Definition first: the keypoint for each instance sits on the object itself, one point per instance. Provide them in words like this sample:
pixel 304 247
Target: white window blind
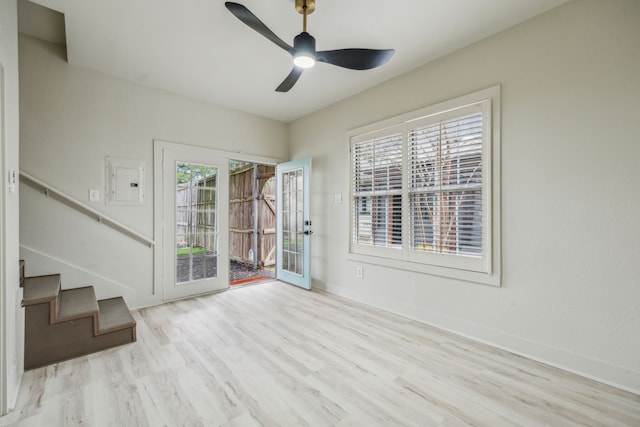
pixel 445 186
pixel 377 191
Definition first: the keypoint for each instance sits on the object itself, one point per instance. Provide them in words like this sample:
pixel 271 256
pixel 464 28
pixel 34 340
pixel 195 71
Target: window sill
pixel 492 279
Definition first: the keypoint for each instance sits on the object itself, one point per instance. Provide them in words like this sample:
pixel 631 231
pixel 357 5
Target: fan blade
pixel 291 79
pixel 355 59
pixel 245 15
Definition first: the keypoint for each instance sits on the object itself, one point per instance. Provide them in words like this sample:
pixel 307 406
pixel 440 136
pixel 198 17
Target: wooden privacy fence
pixel 196 215
pixel 252 215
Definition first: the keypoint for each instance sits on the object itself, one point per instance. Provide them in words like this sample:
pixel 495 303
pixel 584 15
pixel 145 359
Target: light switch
pixel 337 199
pixel 94 195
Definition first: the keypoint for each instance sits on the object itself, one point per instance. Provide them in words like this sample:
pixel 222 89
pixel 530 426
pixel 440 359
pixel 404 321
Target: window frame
pixel 484 269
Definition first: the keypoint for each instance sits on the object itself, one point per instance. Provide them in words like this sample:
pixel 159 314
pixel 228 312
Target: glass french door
pixel 293 223
pixel 195 218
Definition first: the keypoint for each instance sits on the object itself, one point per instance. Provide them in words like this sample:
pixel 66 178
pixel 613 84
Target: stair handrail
pixel 87 210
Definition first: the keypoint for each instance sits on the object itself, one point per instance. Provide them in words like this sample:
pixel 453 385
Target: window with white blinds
pixel 422 188
pixel 377 191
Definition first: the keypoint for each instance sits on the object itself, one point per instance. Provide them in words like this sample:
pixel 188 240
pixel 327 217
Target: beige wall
pixel 11 315
pixel 570 290
pixel 71 119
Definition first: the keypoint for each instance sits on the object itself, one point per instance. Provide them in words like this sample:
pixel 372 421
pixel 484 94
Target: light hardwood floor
pixel 273 355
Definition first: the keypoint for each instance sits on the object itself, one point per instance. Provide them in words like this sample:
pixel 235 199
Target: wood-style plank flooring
pixel 276 355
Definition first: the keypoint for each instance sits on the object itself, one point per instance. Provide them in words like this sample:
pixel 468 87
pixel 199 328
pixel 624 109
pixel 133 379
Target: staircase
pixel 63 324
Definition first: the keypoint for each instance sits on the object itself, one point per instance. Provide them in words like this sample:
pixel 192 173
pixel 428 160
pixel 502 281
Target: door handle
pixel 308 232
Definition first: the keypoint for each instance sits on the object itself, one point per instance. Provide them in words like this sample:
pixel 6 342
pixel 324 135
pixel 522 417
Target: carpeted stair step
pixel 40 289
pixel 114 315
pixel 77 303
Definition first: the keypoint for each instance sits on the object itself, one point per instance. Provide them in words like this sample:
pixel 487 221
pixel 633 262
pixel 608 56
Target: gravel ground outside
pixel 197 267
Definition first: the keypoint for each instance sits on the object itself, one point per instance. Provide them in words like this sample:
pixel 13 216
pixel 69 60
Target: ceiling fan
pixel 304 46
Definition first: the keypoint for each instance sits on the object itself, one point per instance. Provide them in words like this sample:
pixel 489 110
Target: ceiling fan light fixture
pixel 304 60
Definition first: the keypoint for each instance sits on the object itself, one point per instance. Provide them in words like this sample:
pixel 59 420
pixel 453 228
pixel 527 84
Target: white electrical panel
pixel 125 182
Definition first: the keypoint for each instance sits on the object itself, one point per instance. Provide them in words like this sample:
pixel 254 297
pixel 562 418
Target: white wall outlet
pixel 337 199
pixel 359 272
pixel 94 195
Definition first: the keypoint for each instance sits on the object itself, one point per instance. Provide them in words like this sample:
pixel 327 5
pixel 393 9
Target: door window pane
pixel 292 221
pixel 196 222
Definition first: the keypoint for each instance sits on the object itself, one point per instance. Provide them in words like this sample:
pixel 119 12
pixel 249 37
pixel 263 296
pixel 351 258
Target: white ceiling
pixel 200 50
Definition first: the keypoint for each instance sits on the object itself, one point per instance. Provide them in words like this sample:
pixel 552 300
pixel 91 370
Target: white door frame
pixel 3 288
pixel 158 147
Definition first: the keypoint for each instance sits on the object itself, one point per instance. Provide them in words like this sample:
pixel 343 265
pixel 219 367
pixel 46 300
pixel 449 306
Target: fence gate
pixel 252 214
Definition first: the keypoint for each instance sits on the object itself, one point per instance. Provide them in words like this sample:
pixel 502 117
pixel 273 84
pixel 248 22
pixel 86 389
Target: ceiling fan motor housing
pixel 304 42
